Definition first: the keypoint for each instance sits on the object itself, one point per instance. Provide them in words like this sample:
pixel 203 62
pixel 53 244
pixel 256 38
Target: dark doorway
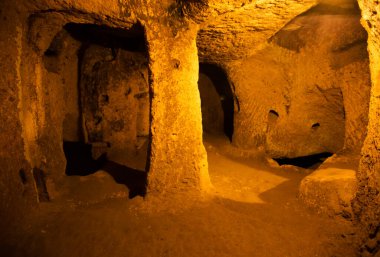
pixel 106 124
pixel 216 104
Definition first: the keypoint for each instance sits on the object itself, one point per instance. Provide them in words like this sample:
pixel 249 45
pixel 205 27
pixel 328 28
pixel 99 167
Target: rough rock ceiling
pixel 229 30
pixel 232 30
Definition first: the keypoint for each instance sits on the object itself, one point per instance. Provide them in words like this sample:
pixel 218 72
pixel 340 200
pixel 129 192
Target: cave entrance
pixel 217 101
pixel 107 107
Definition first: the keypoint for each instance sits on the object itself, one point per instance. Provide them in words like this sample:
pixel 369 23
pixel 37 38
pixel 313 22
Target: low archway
pixel 106 109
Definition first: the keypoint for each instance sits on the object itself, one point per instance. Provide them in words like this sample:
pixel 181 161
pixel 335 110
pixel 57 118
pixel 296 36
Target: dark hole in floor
pixel 306 162
pixel 80 163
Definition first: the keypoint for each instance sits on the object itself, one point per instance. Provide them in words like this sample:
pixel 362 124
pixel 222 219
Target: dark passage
pixel 220 81
pixel 79 159
pixel 306 162
pixel 80 163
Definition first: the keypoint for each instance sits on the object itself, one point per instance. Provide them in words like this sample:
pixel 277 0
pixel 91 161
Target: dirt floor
pixel 252 211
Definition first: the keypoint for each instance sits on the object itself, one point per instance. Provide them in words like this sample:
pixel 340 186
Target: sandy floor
pixel 253 211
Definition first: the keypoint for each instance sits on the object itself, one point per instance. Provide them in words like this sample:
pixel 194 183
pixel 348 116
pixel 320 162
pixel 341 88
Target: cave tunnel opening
pixel 217 100
pixel 107 101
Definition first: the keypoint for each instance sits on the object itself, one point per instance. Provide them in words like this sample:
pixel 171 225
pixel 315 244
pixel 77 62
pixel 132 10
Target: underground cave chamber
pixel 258 109
pixel 291 100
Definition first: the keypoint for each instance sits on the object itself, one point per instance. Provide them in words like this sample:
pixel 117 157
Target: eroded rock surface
pixel 367 202
pixel 307 92
pixel 299 80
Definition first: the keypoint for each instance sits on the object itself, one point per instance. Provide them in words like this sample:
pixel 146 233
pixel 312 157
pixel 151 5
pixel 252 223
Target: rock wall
pixel 15 178
pixel 307 92
pixel 367 202
pixel 115 102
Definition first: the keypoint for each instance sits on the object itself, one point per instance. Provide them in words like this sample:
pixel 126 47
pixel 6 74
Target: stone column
pixel 178 160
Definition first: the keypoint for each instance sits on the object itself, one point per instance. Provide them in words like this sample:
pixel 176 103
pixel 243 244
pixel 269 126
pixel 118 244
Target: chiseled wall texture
pixel 14 194
pixel 367 202
pixel 115 101
pixel 313 72
pixel 178 158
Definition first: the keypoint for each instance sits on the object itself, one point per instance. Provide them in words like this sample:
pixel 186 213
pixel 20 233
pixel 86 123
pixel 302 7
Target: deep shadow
pixel 135 180
pixel 80 163
pixel 132 39
pixel 220 81
pixel 40 183
pixel 307 162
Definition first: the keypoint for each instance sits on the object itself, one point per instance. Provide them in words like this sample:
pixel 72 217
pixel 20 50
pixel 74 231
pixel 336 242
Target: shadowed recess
pixel 222 86
pixel 307 162
pixel 80 163
pixel 132 39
